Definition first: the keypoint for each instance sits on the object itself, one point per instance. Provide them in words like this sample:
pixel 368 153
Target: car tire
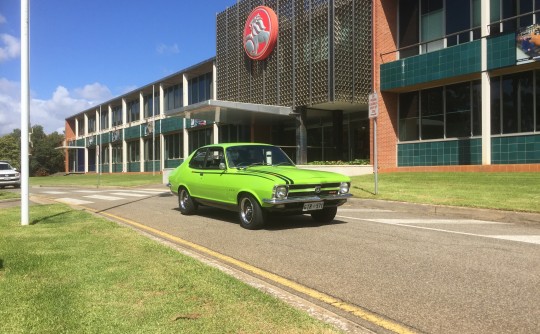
pixel 252 217
pixel 325 215
pixel 186 204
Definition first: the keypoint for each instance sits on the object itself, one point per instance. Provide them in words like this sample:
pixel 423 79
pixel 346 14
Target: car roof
pixel 226 145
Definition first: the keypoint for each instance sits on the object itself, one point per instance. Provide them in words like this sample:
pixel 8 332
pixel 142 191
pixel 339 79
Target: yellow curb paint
pixel 357 311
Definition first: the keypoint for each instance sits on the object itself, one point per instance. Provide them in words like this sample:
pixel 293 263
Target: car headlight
pixel 17 174
pixel 280 192
pixel 344 188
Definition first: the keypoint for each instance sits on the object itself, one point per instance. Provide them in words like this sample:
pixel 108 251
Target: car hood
pixel 294 175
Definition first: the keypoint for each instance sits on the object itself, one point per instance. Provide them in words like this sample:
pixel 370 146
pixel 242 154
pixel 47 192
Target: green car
pixel 256 180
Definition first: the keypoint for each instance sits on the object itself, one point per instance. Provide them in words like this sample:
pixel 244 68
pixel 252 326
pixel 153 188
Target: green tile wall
pixel 173 163
pixel 117 168
pixel 132 132
pixel 501 51
pixel 446 63
pixel 133 167
pixel 443 153
pixel 515 149
pixel 148 166
pixel 171 124
pixel 80 142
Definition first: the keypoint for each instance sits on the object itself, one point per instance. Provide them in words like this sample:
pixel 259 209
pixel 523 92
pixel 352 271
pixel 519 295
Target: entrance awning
pixel 229 112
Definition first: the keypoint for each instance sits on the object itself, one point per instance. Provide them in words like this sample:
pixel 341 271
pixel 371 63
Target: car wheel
pixel 186 204
pixel 325 215
pixel 251 215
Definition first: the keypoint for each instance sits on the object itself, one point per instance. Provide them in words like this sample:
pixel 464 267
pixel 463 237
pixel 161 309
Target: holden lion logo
pixel 260 33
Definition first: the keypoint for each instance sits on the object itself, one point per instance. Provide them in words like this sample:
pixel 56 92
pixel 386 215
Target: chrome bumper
pixel 307 199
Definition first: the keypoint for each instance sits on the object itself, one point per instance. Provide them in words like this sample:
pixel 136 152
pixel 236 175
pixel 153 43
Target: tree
pixel 45 159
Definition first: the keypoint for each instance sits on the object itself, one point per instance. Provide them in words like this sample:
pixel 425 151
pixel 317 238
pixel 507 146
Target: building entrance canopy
pixel 230 112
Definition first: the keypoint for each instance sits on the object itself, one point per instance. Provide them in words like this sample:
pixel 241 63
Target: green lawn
pixel 121 180
pixel 71 272
pixel 505 191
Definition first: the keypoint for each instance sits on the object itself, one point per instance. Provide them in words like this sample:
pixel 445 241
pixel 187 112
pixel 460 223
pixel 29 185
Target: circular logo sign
pixel 260 33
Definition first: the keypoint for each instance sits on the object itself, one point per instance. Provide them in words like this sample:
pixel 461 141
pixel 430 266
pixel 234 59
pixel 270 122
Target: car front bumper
pixel 10 181
pixel 308 199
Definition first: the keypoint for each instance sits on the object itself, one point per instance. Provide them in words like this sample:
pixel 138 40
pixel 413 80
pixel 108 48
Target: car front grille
pixel 303 190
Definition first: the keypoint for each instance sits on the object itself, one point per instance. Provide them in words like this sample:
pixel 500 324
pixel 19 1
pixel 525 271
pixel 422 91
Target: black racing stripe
pixel 287 179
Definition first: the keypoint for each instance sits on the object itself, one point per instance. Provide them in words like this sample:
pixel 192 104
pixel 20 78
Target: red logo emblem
pixel 260 33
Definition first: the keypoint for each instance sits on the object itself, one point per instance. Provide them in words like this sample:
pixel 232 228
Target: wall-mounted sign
pixel 260 33
pixel 528 44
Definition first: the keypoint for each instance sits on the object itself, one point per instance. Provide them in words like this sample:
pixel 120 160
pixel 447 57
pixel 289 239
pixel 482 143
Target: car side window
pixel 197 162
pixel 214 158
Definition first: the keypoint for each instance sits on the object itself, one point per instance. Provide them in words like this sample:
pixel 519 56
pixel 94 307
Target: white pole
pixel 25 109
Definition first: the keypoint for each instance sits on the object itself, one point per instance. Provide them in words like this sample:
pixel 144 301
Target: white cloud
pixel 167 49
pixel 10 47
pixel 2 19
pixel 49 113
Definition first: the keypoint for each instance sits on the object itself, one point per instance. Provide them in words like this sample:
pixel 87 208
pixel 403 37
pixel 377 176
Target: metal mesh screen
pixel 323 54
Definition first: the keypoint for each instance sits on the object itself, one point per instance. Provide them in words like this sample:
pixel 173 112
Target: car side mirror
pixel 222 166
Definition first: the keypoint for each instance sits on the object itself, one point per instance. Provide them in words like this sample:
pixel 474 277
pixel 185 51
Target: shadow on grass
pixel 364 190
pixel 50 219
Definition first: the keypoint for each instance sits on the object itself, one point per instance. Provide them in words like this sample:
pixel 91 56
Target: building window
pixel 409 120
pixel 149 152
pixel 432 114
pixel 134 150
pixel 117 154
pixel 437 24
pixel 104 154
pixel 453 111
pixel 458 110
pixel 173 146
pixel 80 126
pixel 513 13
pixel 198 138
pixel 92 124
pixel 116 116
pixel 200 88
pixel 104 120
pixel 512 103
pixel 150 104
pixel 133 111
pixel 173 97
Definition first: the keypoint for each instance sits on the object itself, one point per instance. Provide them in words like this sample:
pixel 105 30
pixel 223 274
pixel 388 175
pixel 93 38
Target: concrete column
pixel 76 127
pixel 161 152
pixel 486 87
pixel 110 157
pixel 185 101
pixel 141 106
pixel 124 111
pixel 301 137
pixel 142 157
pixel 124 154
pixel 161 100
pixel 86 159
pixel 85 124
pixel 109 108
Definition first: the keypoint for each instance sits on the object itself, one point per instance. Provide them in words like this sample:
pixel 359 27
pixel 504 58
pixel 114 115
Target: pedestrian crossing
pixel 88 196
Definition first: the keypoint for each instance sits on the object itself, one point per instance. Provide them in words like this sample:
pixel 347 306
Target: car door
pixel 213 179
pixel 196 168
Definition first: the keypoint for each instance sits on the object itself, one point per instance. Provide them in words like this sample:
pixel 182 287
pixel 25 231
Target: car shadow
pixel 274 222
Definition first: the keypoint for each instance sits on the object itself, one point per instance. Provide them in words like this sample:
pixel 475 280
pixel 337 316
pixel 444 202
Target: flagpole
pixel 25 110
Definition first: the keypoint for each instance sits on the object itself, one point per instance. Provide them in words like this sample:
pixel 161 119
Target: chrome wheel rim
pixel 246 210
pixel 184 197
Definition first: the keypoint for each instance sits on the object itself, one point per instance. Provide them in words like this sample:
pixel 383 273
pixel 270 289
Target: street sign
pixel 373 105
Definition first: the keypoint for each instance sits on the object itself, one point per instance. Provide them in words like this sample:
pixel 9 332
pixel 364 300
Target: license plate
pixel 313 206
pixel 6 178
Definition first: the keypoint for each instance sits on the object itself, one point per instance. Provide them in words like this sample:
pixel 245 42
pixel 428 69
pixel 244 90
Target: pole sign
pixel 373 105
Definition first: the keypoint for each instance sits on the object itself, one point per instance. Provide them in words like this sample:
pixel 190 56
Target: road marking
pixel 150 190
pixel 86 191
pixel 353 309
pixel 434 221
pixel 534 239
pixel 363 210
pixel 54 192
pixel 107 198
pixel 72 201
pixel 129 194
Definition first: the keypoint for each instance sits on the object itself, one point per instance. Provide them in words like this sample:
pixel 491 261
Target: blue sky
pixel 86 52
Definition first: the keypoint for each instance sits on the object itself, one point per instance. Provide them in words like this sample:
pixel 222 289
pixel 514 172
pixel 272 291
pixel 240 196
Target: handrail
pixel 459 33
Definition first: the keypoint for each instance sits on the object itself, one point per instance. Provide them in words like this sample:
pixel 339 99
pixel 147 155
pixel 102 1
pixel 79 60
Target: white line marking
pixel 363 210
pixel 434 221
pixel 519 238
pixel 129 194
pixel 86 191
pixel 73 201
pixel 107 198
pixel 55 192
pixel 151 190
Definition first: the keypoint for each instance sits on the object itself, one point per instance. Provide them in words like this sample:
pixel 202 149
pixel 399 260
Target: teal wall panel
pixel 171 124
pixel 440 153
pixel 445 63
pixel 132 132
pixel 173 163
pixel 515 149
pixel 148 166
pixel 501 51
pixel 133 167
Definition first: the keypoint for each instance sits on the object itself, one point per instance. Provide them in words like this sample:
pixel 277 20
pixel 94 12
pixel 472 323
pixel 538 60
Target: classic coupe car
pixel 255 180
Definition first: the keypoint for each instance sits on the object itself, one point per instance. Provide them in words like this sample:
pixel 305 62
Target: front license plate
pixel 313 206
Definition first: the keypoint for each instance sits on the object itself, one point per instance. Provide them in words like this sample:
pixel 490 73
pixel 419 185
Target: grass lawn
pixel 118 179
pixel 505 191
pixel 71 272
pixel 8 195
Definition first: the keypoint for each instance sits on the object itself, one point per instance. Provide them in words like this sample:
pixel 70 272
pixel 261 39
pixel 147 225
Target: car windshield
pixel 5 167
pixel 252 155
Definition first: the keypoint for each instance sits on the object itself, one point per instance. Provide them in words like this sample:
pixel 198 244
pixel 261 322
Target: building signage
pixel 373 105
pixel 260 33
